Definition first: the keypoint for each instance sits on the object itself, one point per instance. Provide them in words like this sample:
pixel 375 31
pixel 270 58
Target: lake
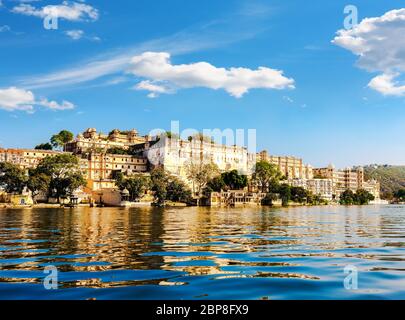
pixel 204 253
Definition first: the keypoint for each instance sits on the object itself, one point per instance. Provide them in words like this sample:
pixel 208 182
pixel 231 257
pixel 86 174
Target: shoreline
pixel 171 206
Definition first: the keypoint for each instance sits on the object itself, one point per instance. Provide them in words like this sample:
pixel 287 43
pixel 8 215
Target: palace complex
pixel 102 155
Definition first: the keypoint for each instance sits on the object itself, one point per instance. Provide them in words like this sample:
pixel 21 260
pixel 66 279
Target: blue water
pixel 203 253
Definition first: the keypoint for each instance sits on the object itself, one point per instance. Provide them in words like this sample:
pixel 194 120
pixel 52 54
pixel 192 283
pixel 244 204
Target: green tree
pixel 137 185
pixel 269 198
pixel 267 175
pixel 315 199
pixel 200 137
pixel 387 195
pixel 284 191
pixel 171 135
pixel 177 191
pixel 118 176
pixel 200 174
pixel 362 197
pixel 299 194
pixel 118 150
pixel 400 195
pixel 60 139
pixel 13 179
pixel 38 182
pixel 215 185
pixel 159 186
pixel 347 198
pixel 65 174
pixel 234 181
pixel 44 146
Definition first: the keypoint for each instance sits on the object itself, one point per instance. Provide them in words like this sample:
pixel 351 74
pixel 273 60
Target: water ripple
pixel 203 253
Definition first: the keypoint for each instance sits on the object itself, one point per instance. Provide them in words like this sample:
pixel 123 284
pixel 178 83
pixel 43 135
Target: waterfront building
pixel 93 141
pixel 347 179
pixel 319 187
pixel 99 168
pixel 290 167
pixel 174 154
pixel 25 158
pixel 374 187
pixel 234 198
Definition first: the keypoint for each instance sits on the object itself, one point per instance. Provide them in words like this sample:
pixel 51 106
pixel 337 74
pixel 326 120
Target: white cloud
pixel 155 89
pixel 379 43
pixel 71 11
pixel 386 84
pixel 162 75
pixel 65 105
pixel 117 61
pixel 5 28
pixel 75 34
pixel 12 99
pixel 16 99
pixel 95 38
pixel 288 99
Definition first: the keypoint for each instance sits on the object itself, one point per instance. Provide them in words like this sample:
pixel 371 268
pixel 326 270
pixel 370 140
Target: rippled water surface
pixel 203 253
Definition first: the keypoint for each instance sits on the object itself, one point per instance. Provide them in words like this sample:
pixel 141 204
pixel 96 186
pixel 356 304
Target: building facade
pixel 174 155
pixel 347 179
pixel 93 141
pixel 25 158
pixel 290 167
pixel 97 168
pixel 319 187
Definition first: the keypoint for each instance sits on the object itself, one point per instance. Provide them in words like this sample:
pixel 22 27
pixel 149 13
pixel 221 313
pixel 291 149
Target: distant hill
pixel 392 178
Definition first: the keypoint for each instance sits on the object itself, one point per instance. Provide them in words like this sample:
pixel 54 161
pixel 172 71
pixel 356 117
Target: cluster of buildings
pixel 99 160
pixel 329 182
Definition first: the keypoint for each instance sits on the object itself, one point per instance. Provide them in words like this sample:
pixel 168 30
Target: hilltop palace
pixel 173 154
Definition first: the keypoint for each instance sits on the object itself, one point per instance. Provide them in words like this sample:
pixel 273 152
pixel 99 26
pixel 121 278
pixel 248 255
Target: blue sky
pixel 340 102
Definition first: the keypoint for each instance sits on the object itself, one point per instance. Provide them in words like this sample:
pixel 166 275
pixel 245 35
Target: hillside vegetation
pixel 392 178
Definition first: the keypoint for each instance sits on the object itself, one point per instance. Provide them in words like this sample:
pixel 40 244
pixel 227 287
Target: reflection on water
pixel 203 253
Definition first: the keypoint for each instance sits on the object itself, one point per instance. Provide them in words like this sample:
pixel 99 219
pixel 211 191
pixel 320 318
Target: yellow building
pixel 291 167
pixel 374 187
pixel 92 141
pixel 97 168
pixel 174 154
pixel 320 187
pixel 347 179
pixel 25 158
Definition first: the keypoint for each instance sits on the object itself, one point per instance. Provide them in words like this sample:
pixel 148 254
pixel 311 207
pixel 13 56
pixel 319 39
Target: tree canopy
pixel 13 179
pixel 234 181
pixel 44 146
pixel 267 175
pixel 360 197
pixel 136 185
pixel 400 195
pixel 65 174
pixel 200 174
pixel 38 182
pixel 60 139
